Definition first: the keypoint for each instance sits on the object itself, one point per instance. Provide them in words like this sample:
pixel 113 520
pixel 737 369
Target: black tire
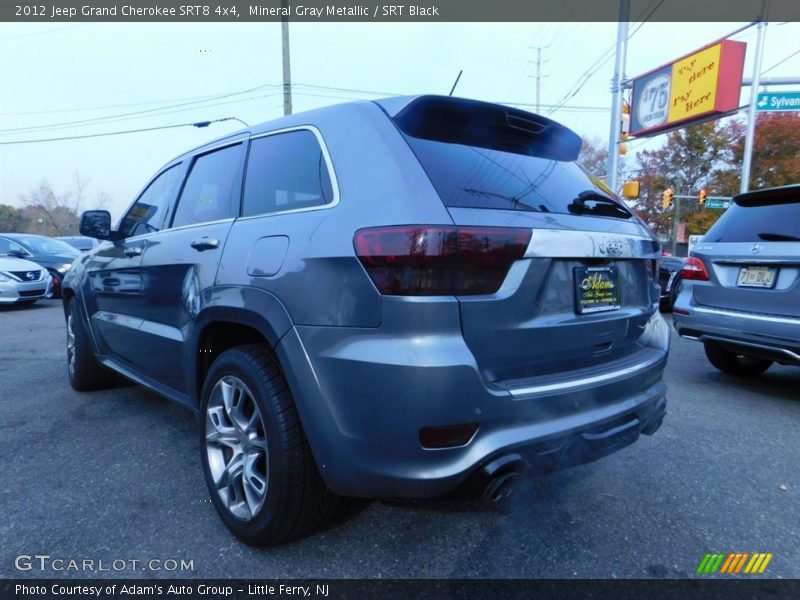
pixel 294 499
pixel 85 373
pixel 735 364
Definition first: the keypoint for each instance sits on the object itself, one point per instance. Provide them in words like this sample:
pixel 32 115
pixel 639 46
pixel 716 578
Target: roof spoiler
pixel 484 125
pixel 778 195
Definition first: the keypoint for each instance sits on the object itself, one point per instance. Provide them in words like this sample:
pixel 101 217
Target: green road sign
pixel 778 101
pixel 717 203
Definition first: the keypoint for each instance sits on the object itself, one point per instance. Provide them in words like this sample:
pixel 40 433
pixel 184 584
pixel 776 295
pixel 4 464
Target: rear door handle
pixel 132 251
pixel 205 243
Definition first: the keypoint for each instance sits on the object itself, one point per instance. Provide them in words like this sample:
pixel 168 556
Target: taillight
pixel 427 260
pixel 694 268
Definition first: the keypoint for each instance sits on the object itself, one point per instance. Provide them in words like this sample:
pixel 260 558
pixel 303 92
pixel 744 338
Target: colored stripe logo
pixel 734 563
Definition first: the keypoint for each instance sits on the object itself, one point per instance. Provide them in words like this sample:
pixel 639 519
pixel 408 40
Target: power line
pixel 648 17
pixel 109 133
pixel 781 61
pixel 24 35
pixel 111 118
pixel 103 107
pixel 604 58
pixel 199 100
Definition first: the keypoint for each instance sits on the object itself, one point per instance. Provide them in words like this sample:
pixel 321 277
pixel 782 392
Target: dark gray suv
pixel 393 298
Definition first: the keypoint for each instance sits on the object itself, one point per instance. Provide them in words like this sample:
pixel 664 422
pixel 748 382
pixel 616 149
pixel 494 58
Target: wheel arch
pixel 235 317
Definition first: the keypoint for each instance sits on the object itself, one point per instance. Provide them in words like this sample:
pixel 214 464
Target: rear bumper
pixel 772 337
pixel 364 397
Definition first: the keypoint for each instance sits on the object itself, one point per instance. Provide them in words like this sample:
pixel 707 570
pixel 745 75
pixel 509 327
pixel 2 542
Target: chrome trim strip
pixel 743 315
pixel 564 387
pixel 754 261
pixel 724 340
pixel 568 243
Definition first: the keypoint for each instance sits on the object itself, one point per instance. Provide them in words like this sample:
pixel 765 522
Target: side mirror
pixel 18 254
pixel 96 224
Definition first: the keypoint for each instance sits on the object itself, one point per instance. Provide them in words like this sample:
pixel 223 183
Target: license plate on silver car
pixel 760 277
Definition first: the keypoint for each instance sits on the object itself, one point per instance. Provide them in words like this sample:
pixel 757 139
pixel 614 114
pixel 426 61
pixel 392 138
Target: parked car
pixel 82 243
pixel 391 298
pixel 21 281
pixel 741 292
pixel 52 254
pixel 670 275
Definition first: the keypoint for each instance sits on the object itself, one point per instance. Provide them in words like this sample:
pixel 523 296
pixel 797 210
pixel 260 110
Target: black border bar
pixel 398 589
pixel 315 11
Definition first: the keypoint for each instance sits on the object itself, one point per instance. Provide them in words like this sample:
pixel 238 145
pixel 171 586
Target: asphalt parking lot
pixel 116 475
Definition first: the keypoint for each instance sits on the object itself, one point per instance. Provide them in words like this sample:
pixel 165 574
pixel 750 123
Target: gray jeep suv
pixel 393 298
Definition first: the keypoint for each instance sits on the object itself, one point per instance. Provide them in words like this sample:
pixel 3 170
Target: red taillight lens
pixel 694 269
pixel 428 260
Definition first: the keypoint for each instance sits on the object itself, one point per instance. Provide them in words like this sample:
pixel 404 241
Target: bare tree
pixel 51 213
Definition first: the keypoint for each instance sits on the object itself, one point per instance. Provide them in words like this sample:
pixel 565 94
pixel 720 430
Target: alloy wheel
pixel 70 346
pixel 236 448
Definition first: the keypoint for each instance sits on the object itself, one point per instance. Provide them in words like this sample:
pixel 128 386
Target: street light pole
pixel 616 89
pixel 749 139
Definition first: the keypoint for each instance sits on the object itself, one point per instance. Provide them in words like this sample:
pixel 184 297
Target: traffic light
pixel 703 196
pixel 630 190
pixel 667 198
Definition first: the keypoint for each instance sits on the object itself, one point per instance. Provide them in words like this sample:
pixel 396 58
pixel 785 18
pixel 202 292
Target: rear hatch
pixel 752 255
pixel 585 287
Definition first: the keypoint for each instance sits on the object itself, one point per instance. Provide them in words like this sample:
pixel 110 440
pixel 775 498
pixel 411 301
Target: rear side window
pixel 210 190
pixel 286 171
pixel 769 222
pixel 148 212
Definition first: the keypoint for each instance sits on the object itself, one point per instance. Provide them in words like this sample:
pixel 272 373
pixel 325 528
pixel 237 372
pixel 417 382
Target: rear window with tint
pixel 771 223
pixel 474 177
pixel 483 155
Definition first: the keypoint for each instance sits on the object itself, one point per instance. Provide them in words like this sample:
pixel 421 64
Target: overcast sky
pixel 57 73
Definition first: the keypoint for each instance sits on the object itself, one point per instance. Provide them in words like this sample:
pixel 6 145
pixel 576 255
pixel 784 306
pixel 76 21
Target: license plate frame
pixel 597 289
pixel 748 277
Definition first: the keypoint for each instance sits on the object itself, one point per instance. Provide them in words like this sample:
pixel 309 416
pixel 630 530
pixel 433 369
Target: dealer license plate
pixel 597 289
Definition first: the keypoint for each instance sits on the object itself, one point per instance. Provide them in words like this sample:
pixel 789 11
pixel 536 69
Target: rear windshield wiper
pixel 603 205
pixel 778 237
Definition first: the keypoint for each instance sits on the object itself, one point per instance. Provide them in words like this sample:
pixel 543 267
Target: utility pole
pixel 287 73
pixel 749 139
pixel 616 89
pixel 539 75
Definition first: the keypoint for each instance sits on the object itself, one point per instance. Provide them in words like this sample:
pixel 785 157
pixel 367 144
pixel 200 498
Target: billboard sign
pixel 702 85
